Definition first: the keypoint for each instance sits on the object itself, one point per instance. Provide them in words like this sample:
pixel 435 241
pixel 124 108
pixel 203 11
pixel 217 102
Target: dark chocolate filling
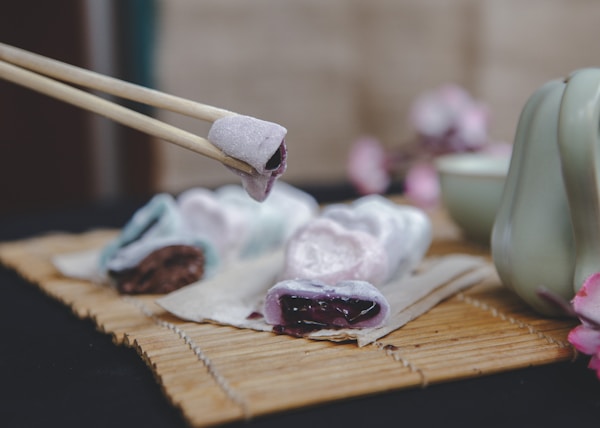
pixel 302 315
pixel 277 159
pixel 162 271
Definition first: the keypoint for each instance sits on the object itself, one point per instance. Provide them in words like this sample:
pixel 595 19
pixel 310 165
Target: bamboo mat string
pixel 221 381
pixel 497 313
pixel 394 352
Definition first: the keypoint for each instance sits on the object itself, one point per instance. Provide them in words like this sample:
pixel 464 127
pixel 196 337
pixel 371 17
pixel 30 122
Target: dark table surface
pixel 58 370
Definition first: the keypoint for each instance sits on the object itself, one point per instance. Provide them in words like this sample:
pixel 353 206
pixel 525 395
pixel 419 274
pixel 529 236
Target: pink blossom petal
pixel 451 118
pixel 367 166
pixel 472 126
pixel 594 364
pixel 454 98
pixel 585 339
pixel 429 117
pixel 421 185
pixel 586 302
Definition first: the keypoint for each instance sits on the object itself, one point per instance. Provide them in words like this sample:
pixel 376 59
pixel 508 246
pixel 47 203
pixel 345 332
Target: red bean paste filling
pixel 162 271
pixel 302 315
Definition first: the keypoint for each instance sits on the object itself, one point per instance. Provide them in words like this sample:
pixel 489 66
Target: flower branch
pixel 445 120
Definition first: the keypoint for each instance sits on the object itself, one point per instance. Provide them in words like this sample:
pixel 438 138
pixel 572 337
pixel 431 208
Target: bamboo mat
pixel 218 374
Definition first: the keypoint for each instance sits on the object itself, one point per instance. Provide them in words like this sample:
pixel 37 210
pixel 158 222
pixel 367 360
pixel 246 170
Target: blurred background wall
pixel 328 71
pixel 333 71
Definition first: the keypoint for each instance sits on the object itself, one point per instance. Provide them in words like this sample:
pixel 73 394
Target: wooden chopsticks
pixel 38 73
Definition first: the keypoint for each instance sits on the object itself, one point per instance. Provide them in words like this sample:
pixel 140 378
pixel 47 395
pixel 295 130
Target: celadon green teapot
pixel 547 229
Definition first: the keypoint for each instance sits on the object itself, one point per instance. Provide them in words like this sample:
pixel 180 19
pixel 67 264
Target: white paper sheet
pixel 235 296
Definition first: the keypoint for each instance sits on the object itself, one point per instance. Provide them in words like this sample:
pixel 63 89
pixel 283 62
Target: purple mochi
pixel 259 143
pixel 298 307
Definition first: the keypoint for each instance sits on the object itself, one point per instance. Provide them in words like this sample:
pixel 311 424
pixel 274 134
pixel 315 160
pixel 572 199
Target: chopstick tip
pixel 238 165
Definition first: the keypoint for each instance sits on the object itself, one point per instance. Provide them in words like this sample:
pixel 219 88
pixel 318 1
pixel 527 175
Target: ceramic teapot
pixel 547 229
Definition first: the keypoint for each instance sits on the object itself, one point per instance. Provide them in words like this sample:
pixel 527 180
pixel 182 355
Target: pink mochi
pixel 326 251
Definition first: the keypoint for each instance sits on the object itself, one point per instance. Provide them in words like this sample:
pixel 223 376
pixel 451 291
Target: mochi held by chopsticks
pixel 259 143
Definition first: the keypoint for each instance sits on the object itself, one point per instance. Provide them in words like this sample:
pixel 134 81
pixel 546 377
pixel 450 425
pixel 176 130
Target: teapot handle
pixel 579 145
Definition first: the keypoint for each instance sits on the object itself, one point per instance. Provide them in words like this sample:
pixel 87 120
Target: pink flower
pixel 446 120
pixel 586 337
pixel 472 126
pixel 421 185
pixel 595 364
pixel 367 166
pixel 434 112
pixel 449 120
pixel 586 302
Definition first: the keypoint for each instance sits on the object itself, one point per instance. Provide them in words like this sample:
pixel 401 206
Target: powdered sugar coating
pixel 207 217
pixel 241 227
pixel 259 143
pixel 404 231
pixel 372 239
pixel 225 223
pixel 153 226
pixel 324 250
pixel 312 289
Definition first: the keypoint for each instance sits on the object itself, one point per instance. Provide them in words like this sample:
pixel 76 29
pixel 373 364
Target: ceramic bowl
pixel 471 187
